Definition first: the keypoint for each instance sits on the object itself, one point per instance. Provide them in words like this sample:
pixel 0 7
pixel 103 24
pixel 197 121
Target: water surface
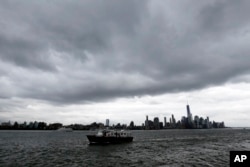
pixel 206 147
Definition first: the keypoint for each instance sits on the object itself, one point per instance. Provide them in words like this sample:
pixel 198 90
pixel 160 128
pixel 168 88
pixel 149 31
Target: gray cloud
pixel 72 51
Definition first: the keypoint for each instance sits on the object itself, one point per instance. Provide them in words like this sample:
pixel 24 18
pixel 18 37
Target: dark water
pixel 150 148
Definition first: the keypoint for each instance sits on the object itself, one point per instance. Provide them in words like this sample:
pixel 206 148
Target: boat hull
pixel 93 139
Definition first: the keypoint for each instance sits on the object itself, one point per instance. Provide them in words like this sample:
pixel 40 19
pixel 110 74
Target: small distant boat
pixel 64 129
pixel 110 137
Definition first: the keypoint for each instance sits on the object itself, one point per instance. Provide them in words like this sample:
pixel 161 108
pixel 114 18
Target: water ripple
pixel 150 148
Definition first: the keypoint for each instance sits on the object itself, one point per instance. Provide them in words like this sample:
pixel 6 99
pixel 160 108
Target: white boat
pixel 64 129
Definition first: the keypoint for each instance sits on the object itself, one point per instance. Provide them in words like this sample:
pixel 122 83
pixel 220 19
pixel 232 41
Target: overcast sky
pixel 85 61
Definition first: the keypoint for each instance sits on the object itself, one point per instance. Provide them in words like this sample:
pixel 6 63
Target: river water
pixel 207 147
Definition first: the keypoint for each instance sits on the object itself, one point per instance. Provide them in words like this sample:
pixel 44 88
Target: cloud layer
pixel 82 51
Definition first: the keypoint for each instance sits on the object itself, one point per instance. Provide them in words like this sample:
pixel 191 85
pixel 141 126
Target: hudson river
pixel 208 147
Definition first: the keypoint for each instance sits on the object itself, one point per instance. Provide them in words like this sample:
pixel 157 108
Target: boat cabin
pixel 113 133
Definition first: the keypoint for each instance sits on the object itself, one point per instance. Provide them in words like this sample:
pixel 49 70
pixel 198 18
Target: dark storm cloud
pixel 223 17
pixel 73 51
pixel 32 28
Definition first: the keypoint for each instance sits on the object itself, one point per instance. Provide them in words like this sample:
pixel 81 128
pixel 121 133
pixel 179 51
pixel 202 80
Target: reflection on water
pixel 150 148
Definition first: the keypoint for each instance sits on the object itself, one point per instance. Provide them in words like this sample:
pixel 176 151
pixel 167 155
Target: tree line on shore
pixel 54 126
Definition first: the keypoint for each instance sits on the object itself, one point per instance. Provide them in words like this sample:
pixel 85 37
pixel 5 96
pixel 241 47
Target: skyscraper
pixel 188 110
pixel 189 117
pixel 146 123
pixel 165 122
pixel 107 122
pixel 156 123
pixel 173 119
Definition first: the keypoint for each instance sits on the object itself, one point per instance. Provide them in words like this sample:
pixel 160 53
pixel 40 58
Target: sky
pixel 87 61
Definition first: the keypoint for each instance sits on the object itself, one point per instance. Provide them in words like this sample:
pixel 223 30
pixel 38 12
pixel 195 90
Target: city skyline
pixel 85 61
pixel 186 122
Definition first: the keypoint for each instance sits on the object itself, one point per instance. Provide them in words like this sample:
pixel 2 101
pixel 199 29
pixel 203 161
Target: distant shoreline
pixel 127 129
